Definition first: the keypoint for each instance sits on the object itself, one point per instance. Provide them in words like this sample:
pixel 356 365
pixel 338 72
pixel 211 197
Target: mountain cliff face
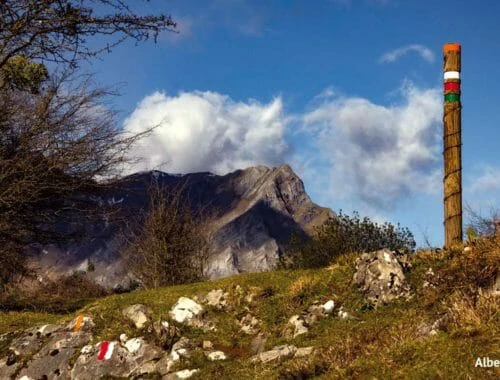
pixel 254 212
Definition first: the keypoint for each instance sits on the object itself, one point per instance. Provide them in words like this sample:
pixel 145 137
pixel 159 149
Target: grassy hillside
pixel 382 343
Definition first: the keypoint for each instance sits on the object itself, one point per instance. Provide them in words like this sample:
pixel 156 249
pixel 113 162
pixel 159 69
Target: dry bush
pixel 466 311
pixel 173 244
pixel 57 133
pixel 471 270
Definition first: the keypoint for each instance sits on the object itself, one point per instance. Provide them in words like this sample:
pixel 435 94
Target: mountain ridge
pixel 255 211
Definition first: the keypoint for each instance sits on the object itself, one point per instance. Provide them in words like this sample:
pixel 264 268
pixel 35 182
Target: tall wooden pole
pixel 452 146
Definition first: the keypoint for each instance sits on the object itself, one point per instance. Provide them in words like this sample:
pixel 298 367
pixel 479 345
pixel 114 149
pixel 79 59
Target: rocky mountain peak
pixel 257 209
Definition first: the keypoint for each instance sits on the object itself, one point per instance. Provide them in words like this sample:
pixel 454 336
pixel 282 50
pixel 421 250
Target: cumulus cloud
pixel 394 55
pixel 379 154
pixel 207 131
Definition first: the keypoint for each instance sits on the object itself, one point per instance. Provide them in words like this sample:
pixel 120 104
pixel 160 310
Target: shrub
pixel 345 234
pixel 173 244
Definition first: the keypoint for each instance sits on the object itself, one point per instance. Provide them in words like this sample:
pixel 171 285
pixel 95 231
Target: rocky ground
pixel 379 314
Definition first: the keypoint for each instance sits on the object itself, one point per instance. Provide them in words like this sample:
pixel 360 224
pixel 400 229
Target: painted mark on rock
pixel 106 350
pixel 78 323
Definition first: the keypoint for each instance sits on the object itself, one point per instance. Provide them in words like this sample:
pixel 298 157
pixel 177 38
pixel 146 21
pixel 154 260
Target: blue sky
pixel 348 92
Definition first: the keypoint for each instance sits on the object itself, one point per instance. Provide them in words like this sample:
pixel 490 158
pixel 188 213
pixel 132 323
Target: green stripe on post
pixel 451 97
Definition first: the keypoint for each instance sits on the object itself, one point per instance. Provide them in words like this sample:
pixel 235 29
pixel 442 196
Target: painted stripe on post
pixel 450 98
pixel 452 86
pixel 451 47
pixel 451 75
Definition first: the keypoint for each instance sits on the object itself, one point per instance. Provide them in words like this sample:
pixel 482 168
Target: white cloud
pixel 376 153
pixel 487 179
pixel 394 55
pixel 207 131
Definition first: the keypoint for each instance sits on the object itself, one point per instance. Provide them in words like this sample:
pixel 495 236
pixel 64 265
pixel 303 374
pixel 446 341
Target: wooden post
pixel 452 146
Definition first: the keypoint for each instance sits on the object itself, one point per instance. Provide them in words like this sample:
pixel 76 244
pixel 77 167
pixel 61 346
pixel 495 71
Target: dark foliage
pixel 345 234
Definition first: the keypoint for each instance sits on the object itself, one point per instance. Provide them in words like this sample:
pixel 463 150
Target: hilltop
pixel 442 314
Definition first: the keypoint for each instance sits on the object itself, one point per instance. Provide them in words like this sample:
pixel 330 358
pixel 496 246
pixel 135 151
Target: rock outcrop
pixel 380 277
pixel 255 210
pixel 72 351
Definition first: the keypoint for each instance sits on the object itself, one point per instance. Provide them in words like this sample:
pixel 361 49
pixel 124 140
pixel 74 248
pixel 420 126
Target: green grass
pixel 381 343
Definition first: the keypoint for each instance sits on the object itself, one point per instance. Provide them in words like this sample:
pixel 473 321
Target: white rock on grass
pixel 185 310
pixel 328 307
pixel 185 373
pixel 344 314
pixel 216 355
pixel 300 328
pixel 303 351
pixel 277 353
pixel 133 345
pixel 217 298
pixel 139 314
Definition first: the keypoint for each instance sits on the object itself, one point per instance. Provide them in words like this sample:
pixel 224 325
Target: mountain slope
pixel 254 212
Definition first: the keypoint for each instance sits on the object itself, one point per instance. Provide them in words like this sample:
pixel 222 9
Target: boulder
pixel 53 359
pixel 379 276
pixel 185 310
pixel 139 314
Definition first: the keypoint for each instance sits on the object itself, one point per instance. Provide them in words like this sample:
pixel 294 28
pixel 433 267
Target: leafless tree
pixel 173 244
pixel 58 30
pixel 58 137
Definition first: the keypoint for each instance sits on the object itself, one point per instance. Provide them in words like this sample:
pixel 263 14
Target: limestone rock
pixel 277 353
pixel 216 355
pixel 53 359
pixel 303 351
pixel 217 298
pixel 185 310
pixel 328 306
pixel 207 345
pixel 249 324
pixel 182 348
pixel 343 314
pixel 299 326
pixel 133 359
pixel 139 314
pixel 183 374
pixel 380 277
